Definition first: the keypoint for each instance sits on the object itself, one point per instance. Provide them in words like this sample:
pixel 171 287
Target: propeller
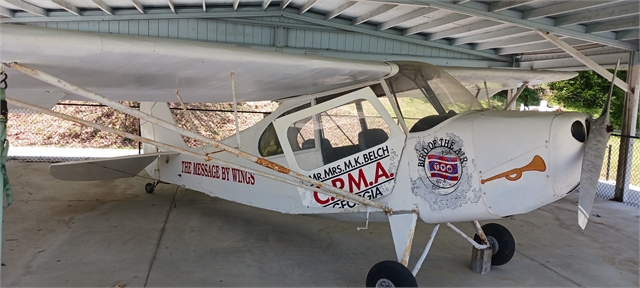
pixel 599 132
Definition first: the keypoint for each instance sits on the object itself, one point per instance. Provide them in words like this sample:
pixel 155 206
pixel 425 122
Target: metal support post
pixel 629 122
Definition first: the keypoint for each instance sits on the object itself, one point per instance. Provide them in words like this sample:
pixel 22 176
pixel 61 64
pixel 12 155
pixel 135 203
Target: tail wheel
pixel 501 241
pixel 390 274
pixel 149 188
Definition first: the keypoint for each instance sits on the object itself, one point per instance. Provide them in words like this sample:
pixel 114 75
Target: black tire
pixel 149 188
pixel 393 272
pixel 500 235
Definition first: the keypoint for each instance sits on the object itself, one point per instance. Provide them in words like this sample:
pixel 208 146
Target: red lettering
pixel 361 181
pixel 316 196
pixel 380 172
pixel 338 183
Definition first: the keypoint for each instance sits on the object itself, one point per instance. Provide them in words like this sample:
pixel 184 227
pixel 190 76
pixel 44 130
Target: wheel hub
pixel 494 244
pixel 384 283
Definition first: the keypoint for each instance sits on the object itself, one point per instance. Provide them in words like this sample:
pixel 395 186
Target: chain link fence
pixel 609 174
pixel 34 137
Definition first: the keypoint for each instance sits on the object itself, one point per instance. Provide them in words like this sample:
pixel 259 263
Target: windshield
pixel 423 90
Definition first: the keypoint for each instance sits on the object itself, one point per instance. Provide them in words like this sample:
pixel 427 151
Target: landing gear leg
pixel 395 273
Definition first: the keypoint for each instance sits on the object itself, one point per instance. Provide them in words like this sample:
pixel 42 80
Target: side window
pixel 344 130
pixel 269 144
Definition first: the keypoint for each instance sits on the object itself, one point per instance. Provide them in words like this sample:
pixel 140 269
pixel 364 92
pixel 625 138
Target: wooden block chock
pixel 481 260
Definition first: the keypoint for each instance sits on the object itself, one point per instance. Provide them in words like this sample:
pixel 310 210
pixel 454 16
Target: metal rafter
pixel 66 6
pixel 307 6
pixel 545 46
pixel 435 23
pixel 28 7
pixel 561 8
pixel 476 28
pixel 394 36
pixel 171 6
pixel 601 14
pixel 614 25
pixel 6 12
pixel 340 9
pixel 481 10
pixel 284 4
pixel 375 12
pixel 628 35
pixel 404 18
pixel 265 4
pixel 513 31
pixel 138 6
pixel 585 60
pixel 517 41
pixel 104 7
pixel 504 5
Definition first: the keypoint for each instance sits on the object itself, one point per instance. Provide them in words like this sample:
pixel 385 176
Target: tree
pixel 587 92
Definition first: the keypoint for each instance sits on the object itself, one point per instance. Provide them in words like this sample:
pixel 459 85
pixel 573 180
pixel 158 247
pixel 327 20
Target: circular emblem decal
pixel 443 164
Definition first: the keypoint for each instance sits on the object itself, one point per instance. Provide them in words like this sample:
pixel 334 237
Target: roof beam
pixel 514 41
pixel 139 6
pixel 628 35
pixel 393 36
pixel 565 7
pixel 28 7
pixel 585 60
pixel 284 4
pixel 481 10
pixel 529 48
pixel 603 14
pixel 376 12
pixel 614 25
pixel 104 7
pixel 171 6
pixel 307 6
pixel 66 6
pixel 489 36
pixel 265 4
pixel 340 9
pixel 504 5
pixel 6 12
pixel 404 18
pixel 479 27
pixel 442 21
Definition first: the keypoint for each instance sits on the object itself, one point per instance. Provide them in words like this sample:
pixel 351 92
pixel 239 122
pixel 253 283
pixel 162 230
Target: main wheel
pixel 390 274
pixel 149 188
pixel 501 241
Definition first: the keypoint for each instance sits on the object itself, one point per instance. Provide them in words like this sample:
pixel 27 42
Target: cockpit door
pixel 350 142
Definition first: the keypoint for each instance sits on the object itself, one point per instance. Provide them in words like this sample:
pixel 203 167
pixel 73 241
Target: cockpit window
pixel 423 90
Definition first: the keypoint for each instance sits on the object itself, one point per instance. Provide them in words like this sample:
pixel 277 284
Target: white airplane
pixel 392 141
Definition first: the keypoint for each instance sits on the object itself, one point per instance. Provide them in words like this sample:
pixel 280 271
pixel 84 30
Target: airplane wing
pixel 499 79
pixel 104 169
pixel 138 68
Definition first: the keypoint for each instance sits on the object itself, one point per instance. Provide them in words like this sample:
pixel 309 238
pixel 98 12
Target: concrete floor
pixel 106 233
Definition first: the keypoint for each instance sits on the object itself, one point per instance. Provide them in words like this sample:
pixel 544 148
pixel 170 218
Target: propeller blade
pixel 596 144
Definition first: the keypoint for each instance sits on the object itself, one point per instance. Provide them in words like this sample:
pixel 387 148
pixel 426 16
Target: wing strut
pixel 312 184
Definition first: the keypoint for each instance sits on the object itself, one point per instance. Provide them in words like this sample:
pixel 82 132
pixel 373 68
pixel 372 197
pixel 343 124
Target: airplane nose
pixel 566 145
pixel 578 131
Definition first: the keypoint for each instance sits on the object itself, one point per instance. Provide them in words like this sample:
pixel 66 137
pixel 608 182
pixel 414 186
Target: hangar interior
pixel 519 34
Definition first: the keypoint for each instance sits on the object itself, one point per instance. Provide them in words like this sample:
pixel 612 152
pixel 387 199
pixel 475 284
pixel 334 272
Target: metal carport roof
pixel 497 33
